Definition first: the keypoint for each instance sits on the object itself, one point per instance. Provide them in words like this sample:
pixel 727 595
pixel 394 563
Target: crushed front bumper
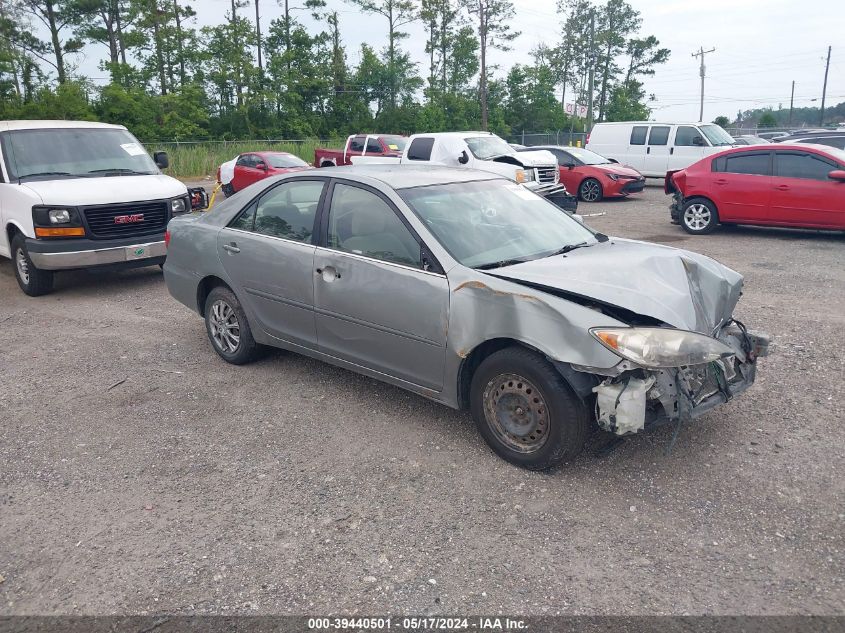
pixel 68 254
pixel 679 394
pixel 676 207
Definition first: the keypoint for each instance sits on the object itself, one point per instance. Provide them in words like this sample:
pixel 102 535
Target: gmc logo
pixel 129 219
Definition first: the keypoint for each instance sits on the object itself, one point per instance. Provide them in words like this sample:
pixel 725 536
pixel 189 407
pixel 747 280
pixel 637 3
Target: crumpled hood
pixel 538 158
pixel 105 190
pixel 684 289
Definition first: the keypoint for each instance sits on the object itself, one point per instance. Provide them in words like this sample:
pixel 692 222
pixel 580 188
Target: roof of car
pixel 406 176
pixel 57 124
pixel 770 147
pixel 269 152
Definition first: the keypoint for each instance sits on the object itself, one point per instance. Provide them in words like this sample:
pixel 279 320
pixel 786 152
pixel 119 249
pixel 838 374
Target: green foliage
pixel 722 121
pixel 767 120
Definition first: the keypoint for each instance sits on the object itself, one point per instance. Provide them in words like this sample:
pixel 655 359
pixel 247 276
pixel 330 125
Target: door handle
pixel 671 150
pixel 782 187
pixel 329 273
pixel 721 181
pixel 231 248
pixel 648 150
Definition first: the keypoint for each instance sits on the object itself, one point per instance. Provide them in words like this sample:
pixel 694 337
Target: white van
pixel 655 148
pixel 76 194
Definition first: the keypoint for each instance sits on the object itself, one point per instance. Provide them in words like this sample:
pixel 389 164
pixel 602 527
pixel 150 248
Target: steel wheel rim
pixel 224 327
pixel 590 190
pixel 516 413
pixel 22 266
pixel 697 217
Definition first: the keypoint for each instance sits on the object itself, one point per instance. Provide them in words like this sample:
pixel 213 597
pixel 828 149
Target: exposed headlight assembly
pixel 661 347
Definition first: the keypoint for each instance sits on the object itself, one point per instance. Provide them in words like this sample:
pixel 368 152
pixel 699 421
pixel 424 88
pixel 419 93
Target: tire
pixel 526 411
pixel 33 281
pixel 227 327
pixel 590 190
pixel 227 190
pixel 699 216
pixel 328 164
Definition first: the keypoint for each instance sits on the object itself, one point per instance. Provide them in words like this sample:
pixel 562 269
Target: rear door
pixel 742 186
pixel 268 252
pixel 687 147
pixel 656 160
pixel 636 151
pixel 381 300
pixel 374 147
pixel 803 194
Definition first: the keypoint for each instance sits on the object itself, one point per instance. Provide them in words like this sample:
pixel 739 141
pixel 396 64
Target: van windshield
pixel 716 135
pixel 54 153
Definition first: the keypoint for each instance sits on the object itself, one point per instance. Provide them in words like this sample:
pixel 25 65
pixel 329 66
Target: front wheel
pixel 590 190
pixel 525 410
pixel 228 328
pixel 33 281
pixel 699 216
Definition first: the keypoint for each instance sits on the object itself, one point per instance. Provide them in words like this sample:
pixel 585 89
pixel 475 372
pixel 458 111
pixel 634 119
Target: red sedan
pixel 251 167
pixel 800 185
pixel 591 176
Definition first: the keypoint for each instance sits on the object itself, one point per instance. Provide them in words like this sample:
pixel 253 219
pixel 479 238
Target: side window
pixel 373 146
pixel 288 210
pixel 801 165
pixel 243 161
pixel 755 164
pixel 685 136
pixel 420 149
pixel 638 134
pixel 361 222
pixel 659 135
pixel 718 164
pixel 357 144
pixel 245 220
pixel 564 158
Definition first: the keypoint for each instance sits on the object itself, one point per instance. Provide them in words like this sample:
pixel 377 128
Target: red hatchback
pixel 798 185
pixel 591 176
pixel 251 167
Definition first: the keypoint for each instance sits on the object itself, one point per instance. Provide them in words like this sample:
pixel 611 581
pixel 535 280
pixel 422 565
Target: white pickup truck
pixel 537 170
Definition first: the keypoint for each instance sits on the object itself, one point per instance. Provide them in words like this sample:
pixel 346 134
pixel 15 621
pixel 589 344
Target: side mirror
pixel 569 165
pixel 262 166
pixel 837 174
pixel 697 140
pixel 161 160
pixel 463 159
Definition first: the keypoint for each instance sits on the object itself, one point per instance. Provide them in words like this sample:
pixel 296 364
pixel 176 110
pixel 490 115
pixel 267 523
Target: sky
pixel 761 46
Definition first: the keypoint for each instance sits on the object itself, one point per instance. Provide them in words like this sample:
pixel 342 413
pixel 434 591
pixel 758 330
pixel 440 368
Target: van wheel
pixel 227 327
pixel 590 190
pixel 699 216
pixel 525 410
pixel 33 281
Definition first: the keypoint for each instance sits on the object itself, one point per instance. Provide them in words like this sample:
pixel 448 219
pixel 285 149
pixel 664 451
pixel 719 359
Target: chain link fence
pixel 531 139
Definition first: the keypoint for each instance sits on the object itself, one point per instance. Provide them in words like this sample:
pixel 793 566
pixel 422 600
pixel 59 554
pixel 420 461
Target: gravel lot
pixel 141 474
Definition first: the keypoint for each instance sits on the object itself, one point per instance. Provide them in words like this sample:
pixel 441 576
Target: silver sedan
pixel 472 291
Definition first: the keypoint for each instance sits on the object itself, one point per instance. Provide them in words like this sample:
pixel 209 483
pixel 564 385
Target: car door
pixel 803 194
pixel 636 152
pixel 241 179
pixel 381 301
pixel 656 158
pixel 268 252
pixel 569 178
pixel 741 186
pixel 686 147
pixel 374 147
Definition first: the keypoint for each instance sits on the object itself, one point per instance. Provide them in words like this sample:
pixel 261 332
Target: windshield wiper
pixel 569 248
pixel 47 173
pixel 120 170
pixel 502 263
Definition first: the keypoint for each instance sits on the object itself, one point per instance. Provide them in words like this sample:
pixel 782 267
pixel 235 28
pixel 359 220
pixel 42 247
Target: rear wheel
pixel 699 216
pixel 228 190
pixel 33 281
pixel 525 410
pixel 590 190
pixel 228 328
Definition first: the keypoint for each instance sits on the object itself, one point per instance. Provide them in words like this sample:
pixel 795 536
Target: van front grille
pixel 546 175
pixel 126 219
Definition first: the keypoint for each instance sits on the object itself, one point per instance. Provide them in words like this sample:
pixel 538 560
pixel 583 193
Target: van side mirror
pixel 161 160
pixel 463 159
pixel 697 140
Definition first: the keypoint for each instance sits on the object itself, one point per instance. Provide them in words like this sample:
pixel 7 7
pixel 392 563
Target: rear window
pixel 420 149
pixel 659 135
pixel 754 164
pixel 638 134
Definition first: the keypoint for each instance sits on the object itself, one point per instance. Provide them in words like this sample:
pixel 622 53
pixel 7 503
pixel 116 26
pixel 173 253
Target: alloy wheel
pixel 697 217
pixel 224 326
pixel 590 191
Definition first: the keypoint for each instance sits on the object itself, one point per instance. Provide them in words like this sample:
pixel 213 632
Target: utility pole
pixel 592 57
pixel 791 101
pixel 258 39
pixel 701 53
pixel 824 89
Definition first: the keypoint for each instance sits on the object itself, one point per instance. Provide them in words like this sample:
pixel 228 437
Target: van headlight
pixel 178 205
pixel 59 216
pixel 661 347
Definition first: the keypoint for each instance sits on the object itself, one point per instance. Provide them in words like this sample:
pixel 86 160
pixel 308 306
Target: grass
pixel 200 159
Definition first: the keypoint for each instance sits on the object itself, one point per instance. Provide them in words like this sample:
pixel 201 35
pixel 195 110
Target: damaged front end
pixel 633 397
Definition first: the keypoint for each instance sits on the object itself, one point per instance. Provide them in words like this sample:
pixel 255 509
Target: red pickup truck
pixel 361 145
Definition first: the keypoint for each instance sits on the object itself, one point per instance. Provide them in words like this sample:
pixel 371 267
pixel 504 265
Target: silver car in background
pixel 470 290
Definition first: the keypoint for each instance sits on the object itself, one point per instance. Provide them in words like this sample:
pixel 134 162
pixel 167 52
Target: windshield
pixel 284 160
pixel 587 157
pixel 395 143
pixel 73 153
pixel 481 223
pixel 716 135
pixel 484 147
